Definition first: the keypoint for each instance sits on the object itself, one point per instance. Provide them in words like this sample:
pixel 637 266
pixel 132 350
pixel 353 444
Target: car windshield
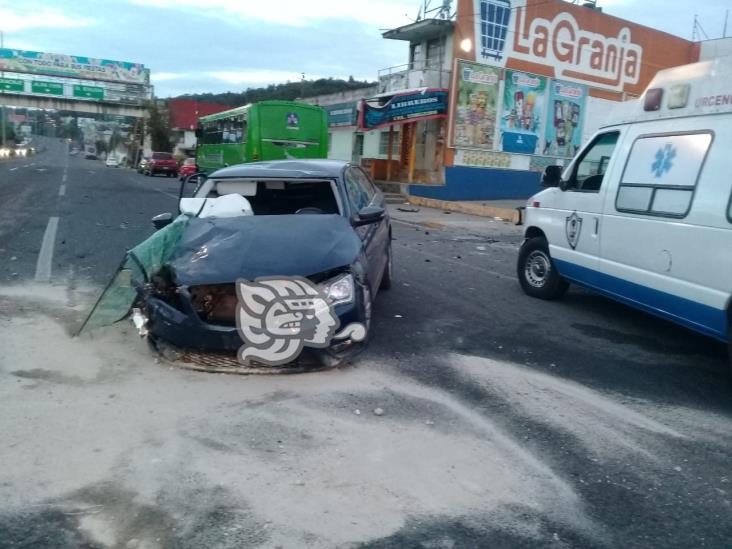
pixel 277 196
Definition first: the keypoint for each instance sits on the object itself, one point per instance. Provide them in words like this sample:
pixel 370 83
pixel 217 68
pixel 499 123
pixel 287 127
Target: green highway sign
pixel 11 84
pixel 51 88
pixel 89 92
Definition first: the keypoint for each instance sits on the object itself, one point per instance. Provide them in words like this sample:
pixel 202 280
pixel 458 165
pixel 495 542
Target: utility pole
pixel 2 107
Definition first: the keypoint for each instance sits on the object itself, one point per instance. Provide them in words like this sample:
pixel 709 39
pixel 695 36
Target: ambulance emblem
pixel 573 227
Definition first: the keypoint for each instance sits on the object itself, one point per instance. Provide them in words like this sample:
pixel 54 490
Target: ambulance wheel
pixel 536 271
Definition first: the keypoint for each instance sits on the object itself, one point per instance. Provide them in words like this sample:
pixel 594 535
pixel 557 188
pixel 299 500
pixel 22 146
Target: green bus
pixel 268 130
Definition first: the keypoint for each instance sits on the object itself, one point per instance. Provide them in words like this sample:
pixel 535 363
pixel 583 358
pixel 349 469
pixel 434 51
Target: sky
pixel 195 46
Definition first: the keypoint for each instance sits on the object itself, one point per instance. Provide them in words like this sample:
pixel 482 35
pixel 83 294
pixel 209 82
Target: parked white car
pixel 112 162
pixel 643 214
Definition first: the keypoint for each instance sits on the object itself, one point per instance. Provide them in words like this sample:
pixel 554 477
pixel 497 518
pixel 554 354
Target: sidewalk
pixel 501 209
pixel 432 218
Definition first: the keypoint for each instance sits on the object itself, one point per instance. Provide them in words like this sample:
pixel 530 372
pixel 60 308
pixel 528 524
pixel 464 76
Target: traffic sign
pixel 50 88
pixel 89 92
pixel 11 84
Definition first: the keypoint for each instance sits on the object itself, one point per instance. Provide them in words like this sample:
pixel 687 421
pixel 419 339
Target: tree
pixel 158 129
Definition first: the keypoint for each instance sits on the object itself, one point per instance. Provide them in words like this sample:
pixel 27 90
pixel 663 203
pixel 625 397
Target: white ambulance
pixel 643 214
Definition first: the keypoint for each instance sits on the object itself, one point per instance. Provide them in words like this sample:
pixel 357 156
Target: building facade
pixel 183 115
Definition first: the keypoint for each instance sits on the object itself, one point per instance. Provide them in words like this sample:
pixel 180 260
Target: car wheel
pixel 386 277
pixel 536 271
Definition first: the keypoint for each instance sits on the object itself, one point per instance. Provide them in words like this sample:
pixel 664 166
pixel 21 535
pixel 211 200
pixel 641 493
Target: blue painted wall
pixel 464 183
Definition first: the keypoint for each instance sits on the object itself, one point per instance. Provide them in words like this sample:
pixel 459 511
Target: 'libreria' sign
pixel 421 105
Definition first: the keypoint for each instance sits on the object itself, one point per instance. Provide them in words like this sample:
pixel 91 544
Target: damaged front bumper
pixel 183 327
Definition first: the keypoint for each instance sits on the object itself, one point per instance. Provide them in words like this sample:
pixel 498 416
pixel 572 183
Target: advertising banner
pixel 421 105
pixel 53 64
pixel 566 116
pixel 474 122
pixel 569 42
pixel 342 114
pixel 524 99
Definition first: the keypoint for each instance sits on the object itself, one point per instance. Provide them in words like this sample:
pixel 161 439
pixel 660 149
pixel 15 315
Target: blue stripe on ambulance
pixel 696 316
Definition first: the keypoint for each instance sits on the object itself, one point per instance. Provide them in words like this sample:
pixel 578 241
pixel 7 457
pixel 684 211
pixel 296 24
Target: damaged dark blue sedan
pixel 321 220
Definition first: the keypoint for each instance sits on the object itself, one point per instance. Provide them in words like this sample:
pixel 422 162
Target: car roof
pixel 285 168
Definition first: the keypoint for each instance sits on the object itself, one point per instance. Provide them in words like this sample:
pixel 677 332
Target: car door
pixel 576 218
pixel 361 193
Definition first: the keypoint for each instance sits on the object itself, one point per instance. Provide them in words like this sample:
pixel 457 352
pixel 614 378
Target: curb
pixel 470 208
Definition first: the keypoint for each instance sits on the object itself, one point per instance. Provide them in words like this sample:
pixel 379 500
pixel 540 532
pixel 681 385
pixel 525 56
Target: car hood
pixel 217 251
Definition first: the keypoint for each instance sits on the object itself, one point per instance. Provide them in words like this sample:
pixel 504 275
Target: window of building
pixel 384 143
pixel 661 174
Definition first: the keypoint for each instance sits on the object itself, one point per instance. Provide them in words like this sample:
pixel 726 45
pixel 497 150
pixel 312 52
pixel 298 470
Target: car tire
pixel 387 275
pixel 536 271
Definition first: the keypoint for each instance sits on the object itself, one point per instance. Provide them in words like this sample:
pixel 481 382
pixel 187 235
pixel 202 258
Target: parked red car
pixel 162 163
pixel 187 168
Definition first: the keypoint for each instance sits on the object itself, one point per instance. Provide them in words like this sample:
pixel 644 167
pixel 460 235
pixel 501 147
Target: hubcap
pixel 537 268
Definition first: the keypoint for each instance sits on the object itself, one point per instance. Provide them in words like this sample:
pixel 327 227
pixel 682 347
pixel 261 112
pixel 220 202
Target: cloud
pixel 166 76
pixel 297 13
pixel 22 19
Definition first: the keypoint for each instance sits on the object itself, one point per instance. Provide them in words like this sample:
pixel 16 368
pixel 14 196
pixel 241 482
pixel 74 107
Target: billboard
pixel 524 101
pixel 342 114
pixel 569 42
pixel 407 107
pixel 566 116
pixel 72 66
pixel 474 120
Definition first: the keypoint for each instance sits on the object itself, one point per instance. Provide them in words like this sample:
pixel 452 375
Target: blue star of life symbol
pixel 664 160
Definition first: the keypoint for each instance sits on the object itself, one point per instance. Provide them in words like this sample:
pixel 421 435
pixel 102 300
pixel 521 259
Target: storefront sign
pixel 73 66
pixel 566 115
pixel 474 122
pixel 342 114
pixel 409 107
pixel 524 98
pixel 89 92
pixel 11 84
pixel 48 88
pixel 569 42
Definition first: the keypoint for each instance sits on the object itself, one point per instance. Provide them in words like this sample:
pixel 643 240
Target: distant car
pixel 142 166
pixel 187 168
pixel 162 162
pixel 90 155
pixel 112 162
pixel 74 151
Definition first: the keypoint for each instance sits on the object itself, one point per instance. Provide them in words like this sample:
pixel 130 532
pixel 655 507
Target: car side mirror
pixel 162 220
pixel 369 215
pixel 552 176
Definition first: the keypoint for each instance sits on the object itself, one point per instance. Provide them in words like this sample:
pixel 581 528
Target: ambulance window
pixel 661 174
pixel 591 168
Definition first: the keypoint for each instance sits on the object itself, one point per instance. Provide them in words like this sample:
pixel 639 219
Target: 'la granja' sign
pixel 606 61
pixel 544 32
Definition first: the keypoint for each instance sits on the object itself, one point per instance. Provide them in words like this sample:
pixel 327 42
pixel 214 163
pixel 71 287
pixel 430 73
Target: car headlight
pixel 338 290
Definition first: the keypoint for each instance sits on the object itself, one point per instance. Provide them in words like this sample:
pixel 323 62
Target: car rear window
pixel 189 162
pixel 162 156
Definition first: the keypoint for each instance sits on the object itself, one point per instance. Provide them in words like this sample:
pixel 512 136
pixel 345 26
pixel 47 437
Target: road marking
pixel 13 169
pixel 167 194
pixel 63 179
pixel 62 190
pixel 45 256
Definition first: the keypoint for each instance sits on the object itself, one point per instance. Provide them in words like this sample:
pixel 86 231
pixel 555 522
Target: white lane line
pixel 62 190
pixel 63 179
pixel 45 256
pixel 13 169
pixel 167 194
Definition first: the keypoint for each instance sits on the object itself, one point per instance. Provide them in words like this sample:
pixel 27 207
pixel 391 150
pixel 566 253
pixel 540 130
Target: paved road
pixel 509 422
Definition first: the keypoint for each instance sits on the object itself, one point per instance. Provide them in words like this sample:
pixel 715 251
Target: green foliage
pixel 287 92
pixel 158 129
